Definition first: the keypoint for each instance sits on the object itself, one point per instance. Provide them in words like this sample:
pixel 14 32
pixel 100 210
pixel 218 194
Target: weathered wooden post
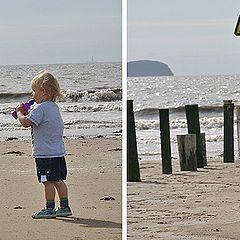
pixel 165 141
pixel 204 151
pixel 238 129
pixel 187 152
pixel 228 152
pixel 133 172
pixel 192 114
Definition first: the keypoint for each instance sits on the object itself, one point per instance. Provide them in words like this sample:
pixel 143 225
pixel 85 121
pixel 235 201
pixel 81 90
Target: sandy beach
pixel 202 205
pixel 94 182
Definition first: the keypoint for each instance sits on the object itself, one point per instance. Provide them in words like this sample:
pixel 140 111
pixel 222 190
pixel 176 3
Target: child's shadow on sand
pixel 93 223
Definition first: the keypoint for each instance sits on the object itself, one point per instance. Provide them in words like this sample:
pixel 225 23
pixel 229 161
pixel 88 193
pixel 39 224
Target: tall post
pixel 165 141
pixel 133 172
pixel 204 150
pixel 228 151
pixel 238 129
pixel 192 114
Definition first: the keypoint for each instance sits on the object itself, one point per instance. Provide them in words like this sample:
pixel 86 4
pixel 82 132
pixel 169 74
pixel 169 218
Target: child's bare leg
pixel 49 194
pixel 61 189
pixel 62 193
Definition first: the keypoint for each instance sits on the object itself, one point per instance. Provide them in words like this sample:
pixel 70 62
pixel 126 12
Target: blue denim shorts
pixel 51 169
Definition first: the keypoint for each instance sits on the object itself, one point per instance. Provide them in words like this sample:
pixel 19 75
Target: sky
pixel 59 31
pixel 192 37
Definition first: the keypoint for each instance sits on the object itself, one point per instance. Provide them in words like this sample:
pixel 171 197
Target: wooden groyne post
pixel 187 152
pixel 133 172
pixel 228 152
pixel 238 129
pixel 165 141
pixel 192 114
pixel 204 150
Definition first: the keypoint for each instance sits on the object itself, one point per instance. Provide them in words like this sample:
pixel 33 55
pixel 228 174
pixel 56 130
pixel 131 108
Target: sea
pixel 149 94
pixel 92 104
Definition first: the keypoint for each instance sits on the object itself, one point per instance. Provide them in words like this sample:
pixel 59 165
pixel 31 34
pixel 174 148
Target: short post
pixel 165 141
pixel 228 151
pixel 187 152
pixel 133 172
pixel 238 129
pixel 192 114
pixel 204 151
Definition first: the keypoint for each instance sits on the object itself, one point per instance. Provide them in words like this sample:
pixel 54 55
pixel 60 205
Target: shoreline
pixel 94 175
pixel 25 135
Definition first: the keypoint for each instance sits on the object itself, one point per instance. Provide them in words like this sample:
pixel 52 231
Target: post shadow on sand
pixel 89 222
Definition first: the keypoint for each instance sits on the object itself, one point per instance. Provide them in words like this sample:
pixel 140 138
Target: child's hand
pixel 21 113
pixel 20 109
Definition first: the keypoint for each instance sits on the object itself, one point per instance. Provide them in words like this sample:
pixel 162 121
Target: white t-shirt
pixel 47 130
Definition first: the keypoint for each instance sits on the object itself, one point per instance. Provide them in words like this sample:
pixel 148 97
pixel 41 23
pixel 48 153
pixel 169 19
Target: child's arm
pixel 21 117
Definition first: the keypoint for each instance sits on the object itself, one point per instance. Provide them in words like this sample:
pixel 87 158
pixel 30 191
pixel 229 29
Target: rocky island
pixel 144 68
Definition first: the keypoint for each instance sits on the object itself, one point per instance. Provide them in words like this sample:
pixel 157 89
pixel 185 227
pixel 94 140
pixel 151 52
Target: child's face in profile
pixel 38 94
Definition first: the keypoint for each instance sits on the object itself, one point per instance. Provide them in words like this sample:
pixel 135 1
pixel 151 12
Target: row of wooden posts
pixel 191 147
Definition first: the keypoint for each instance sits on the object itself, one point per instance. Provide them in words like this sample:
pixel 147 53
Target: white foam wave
pixel 209 123
pixel 71 124
pixel 147 124
pixel 213 122
pixel 92 108
pixel 6 110
pixel 214 138
pixel 94 95
pixel 103 107
pixel 150 153
pixel 91 124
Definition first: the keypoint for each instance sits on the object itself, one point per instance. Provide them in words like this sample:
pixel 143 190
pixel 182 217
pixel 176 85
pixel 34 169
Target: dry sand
pixel 94 172
pixel 202 205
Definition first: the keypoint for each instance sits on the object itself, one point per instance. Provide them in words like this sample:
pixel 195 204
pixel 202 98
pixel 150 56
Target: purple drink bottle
pixel 26 107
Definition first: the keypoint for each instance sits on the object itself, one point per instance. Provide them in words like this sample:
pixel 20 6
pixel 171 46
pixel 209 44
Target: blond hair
pixel 45 80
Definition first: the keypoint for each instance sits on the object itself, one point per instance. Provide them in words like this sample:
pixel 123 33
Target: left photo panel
pixel 61 120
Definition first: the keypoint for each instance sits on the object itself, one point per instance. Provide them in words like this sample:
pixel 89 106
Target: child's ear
pixel 44 92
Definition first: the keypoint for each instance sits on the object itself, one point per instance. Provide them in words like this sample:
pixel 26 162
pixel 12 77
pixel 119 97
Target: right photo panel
pixel 183 119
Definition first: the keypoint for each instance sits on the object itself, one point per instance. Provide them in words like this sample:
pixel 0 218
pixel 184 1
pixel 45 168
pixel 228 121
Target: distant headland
pixel 144 68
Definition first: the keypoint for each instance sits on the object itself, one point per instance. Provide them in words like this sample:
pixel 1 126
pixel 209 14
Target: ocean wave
pixel 68 124
pixel 215 138
pixel 205 109
pixel 96 107
pixel 205 122
pixel 156 141
pixel 91 124
pixel 9 97
pixel 92 108
pixel 96 95
pixel 5 110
